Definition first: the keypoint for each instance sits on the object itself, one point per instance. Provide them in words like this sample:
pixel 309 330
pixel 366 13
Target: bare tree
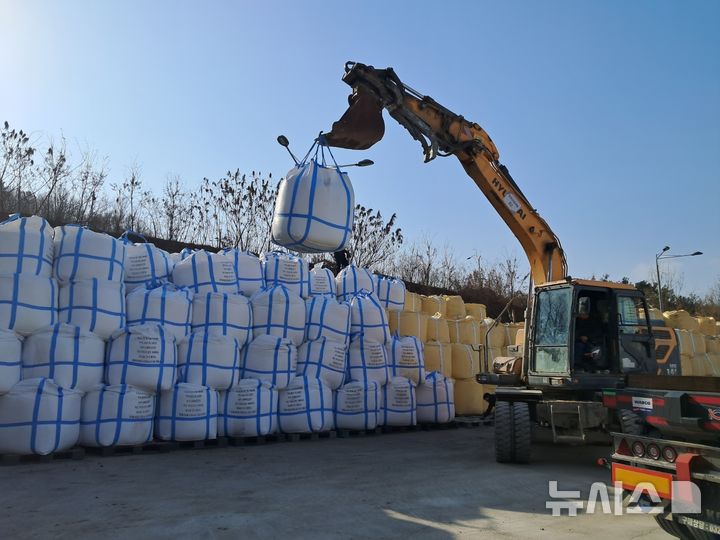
pixel 374 240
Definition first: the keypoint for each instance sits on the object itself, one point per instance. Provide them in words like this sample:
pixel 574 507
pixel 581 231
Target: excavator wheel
pixel 512 432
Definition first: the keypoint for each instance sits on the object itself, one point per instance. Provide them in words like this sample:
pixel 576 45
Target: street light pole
pixel 657 268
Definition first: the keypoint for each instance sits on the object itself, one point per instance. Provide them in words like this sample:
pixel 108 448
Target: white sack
pixel 206 272
pixel 93 304
pixel 27 302
pixel 279 312
pixel 288 270
pixel 398 406
pixel 356 406
pixel 270 358
pixel 187 412
pixel 435 399
pixel 248 409
pixel 305 406
pixel 352 280
pixel 326 317
pixel 368 319
pixel 406 358
pixel 367 361
pixel 209 360
pixel 10 359
pixel 323 359
pixel 84 254
pixel 26 246
pixel 223 314
pixel 164 304
pixel 249 271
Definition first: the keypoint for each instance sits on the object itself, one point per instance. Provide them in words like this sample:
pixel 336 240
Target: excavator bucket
pixel 362 124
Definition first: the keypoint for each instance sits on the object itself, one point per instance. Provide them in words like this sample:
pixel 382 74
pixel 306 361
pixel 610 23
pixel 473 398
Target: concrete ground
pixel 437 484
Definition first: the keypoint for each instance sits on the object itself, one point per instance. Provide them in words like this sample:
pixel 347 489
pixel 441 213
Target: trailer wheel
pixel 512 432
pixel 673 528
pixel 631 423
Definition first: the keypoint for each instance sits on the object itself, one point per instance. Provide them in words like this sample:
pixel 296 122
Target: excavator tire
pixel 512 432
pixel 521 417
pixel 631 423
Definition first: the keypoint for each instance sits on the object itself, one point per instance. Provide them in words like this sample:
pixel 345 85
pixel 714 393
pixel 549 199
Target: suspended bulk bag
pixel 356 406
pixel 288 270
pixel 144 355
pixel 326 317
pixel 209 360
pixel 223 314
pixel 435 400
pixel 72 357
pixel 438 357
pixel 10 359
pixel 314 208
pixel 187 412
pixel 398 403
pixel 367 361
pixel 323 359
pixel 145 264
pixel 93 304
pixel 406 359
pixel 204 272
pixel 84 254
pixel 27 302
pixel 390 292
pixel 322 281
pixel 248 409
pixel 368 319
pixel 39 417
pixel 352 280
pixel 117 415
pixel 26 246
pixel 279 312
pixel 305 406
pixel 165 305
pixel 270 358
pixel 249 271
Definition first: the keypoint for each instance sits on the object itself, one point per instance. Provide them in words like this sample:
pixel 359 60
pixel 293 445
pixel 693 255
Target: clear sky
pixel 606 113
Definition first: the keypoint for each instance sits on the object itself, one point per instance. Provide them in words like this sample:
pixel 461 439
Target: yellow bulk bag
pixel 408 323
pixel 438 357
pixel 478 311
pixel 698 343
pixel 707 325
pixel 438 329
pixel 703 366
pixel 469 397
pixel 714 361
pixel 687 365
pixel 497 334
pixel 685 345
pixel 467 330
pixel 454 307
pixel 511 330
pixel 434 304
pixel 412 302
pixel 465 361
pixel 681 320
pixel 712 345
pixel 519 337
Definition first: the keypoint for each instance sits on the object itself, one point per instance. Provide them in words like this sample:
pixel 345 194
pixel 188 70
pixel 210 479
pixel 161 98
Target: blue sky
pixel 606 113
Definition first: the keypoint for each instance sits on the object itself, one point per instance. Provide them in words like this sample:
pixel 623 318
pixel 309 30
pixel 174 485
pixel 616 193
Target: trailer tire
pixel 673 528
pixel 631 423
pixel 512 432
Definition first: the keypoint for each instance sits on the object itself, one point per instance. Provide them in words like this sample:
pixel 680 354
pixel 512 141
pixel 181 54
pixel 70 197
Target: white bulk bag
pixel 279 312
pixel 27 302
pixel 368 319
pixel 305 406
pixel 356 406
pixel 314 209
pixel 398 403
pixel 269 358
pixel 435 400
pixel 93 304
pixel 165 305
pixel 26 246
pixel 367 361
pixel 206 272
pixel 39 417
pixel 322 281
pixel 187 412
pixel 84 254
pixel 288 270
pixel 72 357
pixel 406 358
pixel 145 264
pixel 10 359
pixel 144 355
pixel 118 415
pixel 352 280
pixel 248 409
pixel 249 271
pixel 209 360
pixel 223 314
pixel 390 292
pixel 323 359
pixel 326 317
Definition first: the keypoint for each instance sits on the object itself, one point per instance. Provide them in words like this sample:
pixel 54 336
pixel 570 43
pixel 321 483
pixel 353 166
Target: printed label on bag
pixel 294 400
pixel 320 284
pixel 191 404
pixel 408 356
pixel 337 360
pixel 245 402
pixel 144 407
pixel 352 400
pixel 225 273
pixel 145 349
pixel 374 355
pixel 400 398
pixel 137 267
pixel 289 271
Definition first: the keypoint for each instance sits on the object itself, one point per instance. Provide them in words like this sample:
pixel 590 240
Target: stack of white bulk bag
pixel 39 417
pixel 323 359
pixel 145 264
pixel 322 281
pixel 435 400
pixel 223 314
pixel 248 409
pixel 83 254
pixel 288 270
pixel 270 358
pixel 165 304
pixel 209 360
pixel 326 317
pixel 314 209
pixel 406 359
pixel 206 272
pixel 390 292
pixel 187 412
pixel 27 302
pixel 278 311
pixel 144 355
pixel 26 246
pixel 94 304
pixel 72 357
pixel 249 271
pixel 352 280
pixel 117 415
pixel 10 359
pixel 398 403
pixel 368 319
pixel 305 406
pixel 367 361
pixel 356 405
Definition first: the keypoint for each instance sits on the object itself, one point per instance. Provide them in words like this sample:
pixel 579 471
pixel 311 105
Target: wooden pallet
pixel 346 433
pixel 15 459
pixel 157 447
pixel 473 421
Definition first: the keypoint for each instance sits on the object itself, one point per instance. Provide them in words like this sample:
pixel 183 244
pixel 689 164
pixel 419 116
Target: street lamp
pixel 659 256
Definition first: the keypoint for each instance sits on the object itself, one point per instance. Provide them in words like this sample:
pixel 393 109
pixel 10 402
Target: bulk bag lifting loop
pixel 26 246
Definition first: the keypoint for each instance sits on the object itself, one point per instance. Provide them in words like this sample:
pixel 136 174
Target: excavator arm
pixel 442 133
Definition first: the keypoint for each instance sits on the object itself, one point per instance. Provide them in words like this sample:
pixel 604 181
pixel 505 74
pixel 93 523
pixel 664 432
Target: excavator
pixel 592 359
